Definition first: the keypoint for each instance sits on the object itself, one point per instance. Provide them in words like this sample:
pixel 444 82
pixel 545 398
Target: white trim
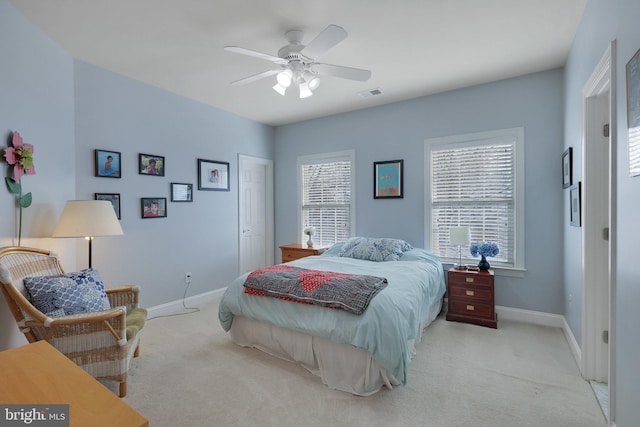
pixel 477 138
pixel 327 158
pixel 573 343
pixel 529 316
pixel 177 305
pixel 594 317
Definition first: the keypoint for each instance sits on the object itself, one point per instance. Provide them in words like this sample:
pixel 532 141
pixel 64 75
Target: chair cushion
pixel 135 321
pixel 70 293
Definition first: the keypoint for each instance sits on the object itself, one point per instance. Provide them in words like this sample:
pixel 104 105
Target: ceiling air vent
pixel 370 92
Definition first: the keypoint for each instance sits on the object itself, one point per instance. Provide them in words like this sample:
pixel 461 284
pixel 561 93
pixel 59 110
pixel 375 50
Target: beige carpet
pixel 190 373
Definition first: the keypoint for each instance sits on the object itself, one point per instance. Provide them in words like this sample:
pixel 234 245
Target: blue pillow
pixel 374 249
pixel 66 294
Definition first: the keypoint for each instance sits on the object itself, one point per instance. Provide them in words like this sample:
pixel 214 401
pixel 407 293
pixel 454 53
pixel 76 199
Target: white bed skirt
pixel 340 366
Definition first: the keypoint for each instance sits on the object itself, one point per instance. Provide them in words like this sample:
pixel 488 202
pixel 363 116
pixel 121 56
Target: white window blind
pixel 326 198
pixel 473 183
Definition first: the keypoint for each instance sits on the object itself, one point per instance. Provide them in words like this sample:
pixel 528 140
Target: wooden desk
pixel 39 374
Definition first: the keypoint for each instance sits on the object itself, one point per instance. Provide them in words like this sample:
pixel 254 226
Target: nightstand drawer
pixel 291 255
pixel 471 279
pixel 481 294
pixel 471 308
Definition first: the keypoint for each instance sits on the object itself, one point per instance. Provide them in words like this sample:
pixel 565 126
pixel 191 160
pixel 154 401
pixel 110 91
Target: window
pixel 327 185
pixel 476 180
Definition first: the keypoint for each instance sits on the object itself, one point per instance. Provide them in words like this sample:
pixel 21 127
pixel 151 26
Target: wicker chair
pixel 95 341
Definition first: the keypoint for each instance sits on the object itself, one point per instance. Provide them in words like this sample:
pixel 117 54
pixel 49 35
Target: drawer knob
pixel 470 293
pixel 469 279
pixel 470 308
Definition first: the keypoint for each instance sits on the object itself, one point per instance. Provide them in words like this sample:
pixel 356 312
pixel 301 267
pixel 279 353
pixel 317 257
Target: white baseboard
pixel 529 316
pixel 543 319
pixel 573 343
pixel 177 305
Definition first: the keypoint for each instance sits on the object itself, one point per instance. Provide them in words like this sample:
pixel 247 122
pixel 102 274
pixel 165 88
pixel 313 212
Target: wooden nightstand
pixel 297 251
pixel 471 297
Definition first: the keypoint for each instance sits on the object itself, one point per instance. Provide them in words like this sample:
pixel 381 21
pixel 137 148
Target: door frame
pixel 243 160
pixel 594 317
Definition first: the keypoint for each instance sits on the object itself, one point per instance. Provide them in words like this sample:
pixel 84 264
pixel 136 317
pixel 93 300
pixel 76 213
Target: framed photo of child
pixel 150 164
pixel 153 207
pixel 213 175
pixel 107 164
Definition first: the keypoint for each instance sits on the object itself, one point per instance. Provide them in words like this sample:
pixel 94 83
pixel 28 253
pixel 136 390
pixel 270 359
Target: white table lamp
pixel 459 236
pixel 88 218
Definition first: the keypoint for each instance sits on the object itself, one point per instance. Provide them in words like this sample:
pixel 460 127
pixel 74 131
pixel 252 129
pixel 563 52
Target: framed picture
pixel 388 182
pixel 107 164
pixel 575 200
pixel 153 207
pixel 213 175
pixel 633 113
pixel 149 164
pixel 114 198
pixel 181 192
pixel 567 168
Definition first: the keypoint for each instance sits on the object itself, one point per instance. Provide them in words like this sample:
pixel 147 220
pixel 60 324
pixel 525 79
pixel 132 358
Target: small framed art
pixel 575 201
pixel 567 168
pixel 633 113
pixel 150 164
pixel 107 164
pixel 213 175
pixel 388 179
pixel 153 207
pixel 114 198
pixel 181 192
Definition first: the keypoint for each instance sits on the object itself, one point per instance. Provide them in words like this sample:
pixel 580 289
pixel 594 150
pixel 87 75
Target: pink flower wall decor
pixel 20 156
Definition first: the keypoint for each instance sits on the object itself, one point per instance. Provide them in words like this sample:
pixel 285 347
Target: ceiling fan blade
pixel 328 38
pixel 342 72
pixel 255 77
pixel 255 54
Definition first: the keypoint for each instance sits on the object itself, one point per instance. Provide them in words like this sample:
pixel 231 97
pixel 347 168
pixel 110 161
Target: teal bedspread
pixel 386 328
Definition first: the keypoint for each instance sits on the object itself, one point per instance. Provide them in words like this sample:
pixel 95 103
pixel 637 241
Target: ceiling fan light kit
pixel 298 65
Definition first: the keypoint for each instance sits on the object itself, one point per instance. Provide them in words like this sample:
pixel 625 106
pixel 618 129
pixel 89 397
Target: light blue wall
pixel 602 22
pixel 398 131
pixel 120 114
pixel 66 109
pixel 36 99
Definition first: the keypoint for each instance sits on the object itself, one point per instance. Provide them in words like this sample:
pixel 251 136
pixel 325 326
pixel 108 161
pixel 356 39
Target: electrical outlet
pixel 187 278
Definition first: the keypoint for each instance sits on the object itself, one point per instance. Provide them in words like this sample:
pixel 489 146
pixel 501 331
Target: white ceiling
pixel 413 47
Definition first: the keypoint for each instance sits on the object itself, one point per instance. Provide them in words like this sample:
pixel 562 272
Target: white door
pixel 255 210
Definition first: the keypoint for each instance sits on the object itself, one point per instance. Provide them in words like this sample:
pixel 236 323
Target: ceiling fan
pixel 297 63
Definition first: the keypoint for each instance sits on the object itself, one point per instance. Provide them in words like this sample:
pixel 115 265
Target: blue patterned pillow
pixel 68 294
pixel 374 249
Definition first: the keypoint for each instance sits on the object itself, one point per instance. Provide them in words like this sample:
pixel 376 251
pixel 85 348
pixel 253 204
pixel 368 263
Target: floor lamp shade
pixel 88 218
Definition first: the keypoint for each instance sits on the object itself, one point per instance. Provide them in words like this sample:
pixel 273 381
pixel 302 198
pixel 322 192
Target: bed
pixel 356 353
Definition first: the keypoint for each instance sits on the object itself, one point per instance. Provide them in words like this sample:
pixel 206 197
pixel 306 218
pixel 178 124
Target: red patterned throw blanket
pixel 350 292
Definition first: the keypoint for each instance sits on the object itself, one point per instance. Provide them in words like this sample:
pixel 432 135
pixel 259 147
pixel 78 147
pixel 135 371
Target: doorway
pixel 598 230
pixel 255 213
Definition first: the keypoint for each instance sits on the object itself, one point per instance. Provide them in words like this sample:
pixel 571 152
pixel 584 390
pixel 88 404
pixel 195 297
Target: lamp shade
pixel 459 235
pixel 88 218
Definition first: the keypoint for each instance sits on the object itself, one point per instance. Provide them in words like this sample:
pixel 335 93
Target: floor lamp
pixel 88 219
pixel 459 236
